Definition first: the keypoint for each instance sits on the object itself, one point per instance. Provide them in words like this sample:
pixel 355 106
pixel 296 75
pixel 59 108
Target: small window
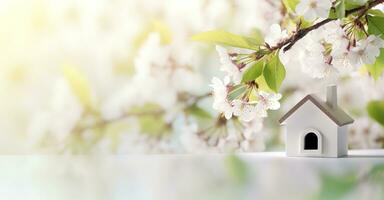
pixel 311 141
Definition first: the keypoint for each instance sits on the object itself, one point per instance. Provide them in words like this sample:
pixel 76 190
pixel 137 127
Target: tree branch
pixel 157 112
pixel 287 43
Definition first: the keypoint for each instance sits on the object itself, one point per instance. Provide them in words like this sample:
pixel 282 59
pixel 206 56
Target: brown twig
pixel 287 43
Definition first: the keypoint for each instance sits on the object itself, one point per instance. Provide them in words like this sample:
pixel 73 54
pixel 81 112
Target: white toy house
pixel 317 128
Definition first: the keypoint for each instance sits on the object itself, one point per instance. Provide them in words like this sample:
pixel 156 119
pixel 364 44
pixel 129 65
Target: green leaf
pixel 340 9
pixel 376 111
pixel 79 85
pixel 376 12
pixel 290 5
pixel 237 169
pixel 236 91
pixel 253 72
pixel 377 174
pixel 350 4
pixel 376 25
pixel 274 73
pixel 152 125
pixel 150 118
pixel 228 39
pixel 377 170
pixel 257 35
pixel 263 84
pixel 304 23
pixel 332 14
pixel 377 68
pixel 198 112
pixel 336 187
pixel 296 20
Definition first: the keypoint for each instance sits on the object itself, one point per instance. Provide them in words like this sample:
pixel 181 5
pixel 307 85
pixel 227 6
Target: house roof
pixel 337 115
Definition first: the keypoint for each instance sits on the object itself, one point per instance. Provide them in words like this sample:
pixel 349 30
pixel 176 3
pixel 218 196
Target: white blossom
pixel 320 68
pixel 253 144
pixel 220 102
pixel 268 100
pixel 248 112
pixel 244 110
pixel 190 140
pixel 254 139
pixel 227 65
pixel 229 144
pixel 366 51
pixel 313 61
pixel 253 127
pixel 312 9
pixel 247 19
pixel 275 35
pixel 364 133
pixel 334 34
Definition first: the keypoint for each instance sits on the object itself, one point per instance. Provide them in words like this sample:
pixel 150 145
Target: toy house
pixel 317 128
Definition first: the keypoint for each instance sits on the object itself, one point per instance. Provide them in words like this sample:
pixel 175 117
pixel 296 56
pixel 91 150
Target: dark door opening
pixel 310 141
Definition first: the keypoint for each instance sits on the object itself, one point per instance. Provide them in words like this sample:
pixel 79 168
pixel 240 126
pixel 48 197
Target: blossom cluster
pixel 244 109
pixel 331 50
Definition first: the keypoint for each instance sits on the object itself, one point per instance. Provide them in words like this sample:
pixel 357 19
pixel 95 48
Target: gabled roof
pixel 337 115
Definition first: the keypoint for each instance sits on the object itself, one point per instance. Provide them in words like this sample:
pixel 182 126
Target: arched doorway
pixel 311 141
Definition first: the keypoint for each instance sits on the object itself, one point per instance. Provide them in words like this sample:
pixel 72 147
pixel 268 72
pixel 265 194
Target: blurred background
pixel 100 77
pixel 112 76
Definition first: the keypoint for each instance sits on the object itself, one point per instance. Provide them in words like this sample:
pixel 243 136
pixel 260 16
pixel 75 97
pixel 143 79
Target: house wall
pixel 310 116
pixel 342 141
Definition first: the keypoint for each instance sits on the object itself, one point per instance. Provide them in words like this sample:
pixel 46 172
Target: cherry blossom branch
pixel 287 43
pixel 101 123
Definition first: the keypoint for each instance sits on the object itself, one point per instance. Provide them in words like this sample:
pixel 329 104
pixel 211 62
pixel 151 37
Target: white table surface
pixel 269 175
